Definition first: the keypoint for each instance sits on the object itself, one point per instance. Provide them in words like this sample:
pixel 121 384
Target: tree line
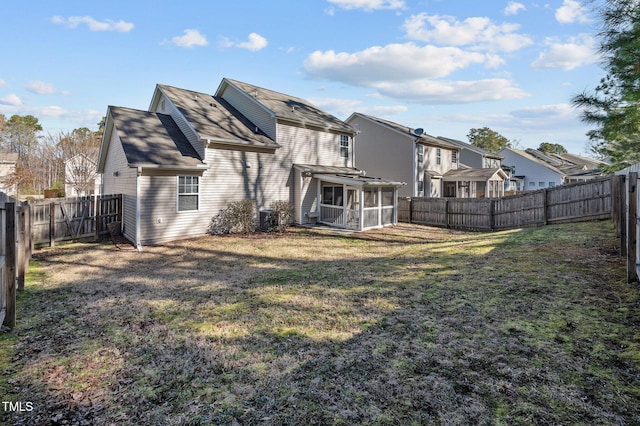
pixel 41 159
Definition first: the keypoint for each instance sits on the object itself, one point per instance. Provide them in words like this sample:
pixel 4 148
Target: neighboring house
pixel 80 176
pixel 193 153
pixel 429 165
pixel 475 157
pixel 403 154
pixel 8 163
pixel 579 168
pixel 531 170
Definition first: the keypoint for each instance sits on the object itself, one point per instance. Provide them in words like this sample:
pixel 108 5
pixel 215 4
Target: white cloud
pixel 42 88
pixel 394 62
pixel 576 52
pixel 572 11
pixel 513 8
pixel 254 43
pixel 92 24
pixel 11 100
pixel 479 33
pixel 369 5
pixel 3 83
pixel 385 110
pixel 190 38
pixel 452 92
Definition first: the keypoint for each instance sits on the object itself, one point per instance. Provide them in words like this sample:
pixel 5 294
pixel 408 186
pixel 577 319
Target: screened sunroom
pixel 357 202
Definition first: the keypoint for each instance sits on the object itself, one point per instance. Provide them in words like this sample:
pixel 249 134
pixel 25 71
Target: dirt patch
pixel 404 325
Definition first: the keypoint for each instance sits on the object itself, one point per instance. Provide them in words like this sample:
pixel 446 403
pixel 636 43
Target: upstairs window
pixel 454 157
pixel 344 146
pixel 438 156
pixel 420 153
pixel 188 193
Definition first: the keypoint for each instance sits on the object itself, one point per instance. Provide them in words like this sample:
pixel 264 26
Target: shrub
pixel 240 217
pixel 218 225
pixel 281 216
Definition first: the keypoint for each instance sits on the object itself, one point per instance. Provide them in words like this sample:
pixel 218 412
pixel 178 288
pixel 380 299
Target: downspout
pixel 138 244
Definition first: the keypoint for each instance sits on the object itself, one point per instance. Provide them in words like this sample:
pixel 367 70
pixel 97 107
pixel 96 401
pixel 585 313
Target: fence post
pixel 545 208
pixel 410 210
pixel 492 214
pixel 10 257
pixel 52 224
pixel 446 213
pixel 632 223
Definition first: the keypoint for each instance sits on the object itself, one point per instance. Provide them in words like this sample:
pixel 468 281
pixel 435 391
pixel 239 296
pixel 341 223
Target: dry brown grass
pixel 405 325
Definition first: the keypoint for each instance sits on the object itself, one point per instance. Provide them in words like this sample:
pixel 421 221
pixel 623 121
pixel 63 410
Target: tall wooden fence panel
pixel 65 219
pixel 15 253
pixel 567 203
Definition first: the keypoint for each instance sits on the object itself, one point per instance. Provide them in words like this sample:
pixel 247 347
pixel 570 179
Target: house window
pixel 552 184
pixel 344 146
pixel 420 149
pixel 438 156
pixel 454 157
pixel 420 187
pixel 532 184
pixel 541 184
pixel 188 193
pixel 332 195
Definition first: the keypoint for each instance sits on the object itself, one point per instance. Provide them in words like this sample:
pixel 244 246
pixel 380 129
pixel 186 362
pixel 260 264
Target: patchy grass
pixel 405 325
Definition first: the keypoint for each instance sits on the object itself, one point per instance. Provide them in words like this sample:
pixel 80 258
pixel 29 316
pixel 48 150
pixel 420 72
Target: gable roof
pixel 526 155
pixel 471 147
pixel 287 107
pixel 423 138
pixel 214 119
pixel 474 174
pixel 152 139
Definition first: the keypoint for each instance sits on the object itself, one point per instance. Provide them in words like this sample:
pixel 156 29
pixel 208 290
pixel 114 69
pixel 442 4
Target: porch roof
pixel 355 180
pixel 478 175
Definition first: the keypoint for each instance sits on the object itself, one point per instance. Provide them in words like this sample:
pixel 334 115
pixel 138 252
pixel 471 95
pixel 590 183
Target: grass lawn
pixel 399 326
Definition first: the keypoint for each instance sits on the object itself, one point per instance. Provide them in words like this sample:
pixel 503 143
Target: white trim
pixel 197 209
pixel 138 204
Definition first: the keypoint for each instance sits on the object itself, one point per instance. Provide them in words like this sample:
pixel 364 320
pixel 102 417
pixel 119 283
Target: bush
pixel 218 225
pixel 281 216
pixel 240 217
pixel 237 218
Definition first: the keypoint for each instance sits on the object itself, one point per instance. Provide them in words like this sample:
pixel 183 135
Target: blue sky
pixel 446 66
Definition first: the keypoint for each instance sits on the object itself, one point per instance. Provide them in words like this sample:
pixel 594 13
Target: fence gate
pixel 66 219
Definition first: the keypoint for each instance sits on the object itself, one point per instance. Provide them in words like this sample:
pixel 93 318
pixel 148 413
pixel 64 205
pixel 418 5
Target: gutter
pixel 138 243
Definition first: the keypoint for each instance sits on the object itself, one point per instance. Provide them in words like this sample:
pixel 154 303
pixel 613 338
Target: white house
pixel 8 163
pixel 534 172
pixel 80 176
pixel 192 153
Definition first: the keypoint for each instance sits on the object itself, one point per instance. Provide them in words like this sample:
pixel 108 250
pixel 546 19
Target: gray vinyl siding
pixel 252 110
pixel 382 152
pixel 124 183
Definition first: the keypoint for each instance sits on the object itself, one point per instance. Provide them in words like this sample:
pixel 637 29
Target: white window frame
pixel 420 153
pixel 190 193
pixel 454 157
pixel 438 156
pixel 344 146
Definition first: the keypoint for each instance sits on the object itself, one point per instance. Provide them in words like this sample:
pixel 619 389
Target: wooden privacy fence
pixel 567 203
pixel 65 219
pixel 626 218
pixel 15 253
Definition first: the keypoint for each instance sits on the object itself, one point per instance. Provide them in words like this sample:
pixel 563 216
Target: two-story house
pixel 192 153
pixel 404 154
pixel 8 161
pixel 430 166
